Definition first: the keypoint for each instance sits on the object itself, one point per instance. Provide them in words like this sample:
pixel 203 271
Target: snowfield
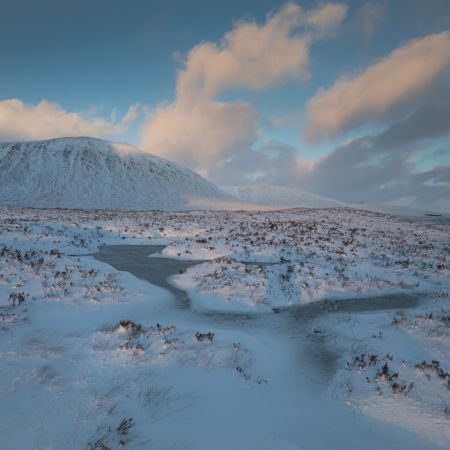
pixel 277 347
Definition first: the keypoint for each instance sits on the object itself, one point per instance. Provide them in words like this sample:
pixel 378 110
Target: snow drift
pixel 91 173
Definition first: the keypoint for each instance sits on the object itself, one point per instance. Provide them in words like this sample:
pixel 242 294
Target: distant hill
pixel 279 196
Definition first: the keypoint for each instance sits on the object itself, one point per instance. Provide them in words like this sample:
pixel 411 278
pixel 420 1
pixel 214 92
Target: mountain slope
pixel 92 173
pixel 279 196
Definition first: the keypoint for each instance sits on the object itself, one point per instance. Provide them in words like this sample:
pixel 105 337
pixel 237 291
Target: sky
pixel 347 99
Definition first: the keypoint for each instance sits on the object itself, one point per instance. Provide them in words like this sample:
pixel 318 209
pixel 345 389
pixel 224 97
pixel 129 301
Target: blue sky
pixel 90 61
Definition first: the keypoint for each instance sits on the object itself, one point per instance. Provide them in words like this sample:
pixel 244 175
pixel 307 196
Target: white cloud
pixel 46 120
pixel 199 130
pixel 399 77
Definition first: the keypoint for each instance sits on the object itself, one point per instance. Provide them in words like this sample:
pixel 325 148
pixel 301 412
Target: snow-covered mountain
pixel 85 172
pixel 279 196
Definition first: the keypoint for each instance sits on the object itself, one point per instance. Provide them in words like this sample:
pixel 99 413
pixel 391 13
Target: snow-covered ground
pixel 398 366
pixel 95 358
pixel 294 257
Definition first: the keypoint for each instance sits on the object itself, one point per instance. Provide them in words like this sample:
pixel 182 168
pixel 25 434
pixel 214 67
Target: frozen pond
pixel 135 259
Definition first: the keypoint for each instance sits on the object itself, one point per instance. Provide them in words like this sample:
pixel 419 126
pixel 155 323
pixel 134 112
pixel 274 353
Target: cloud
pixel 250 56
pixel 202 131
pixel 328 17
pixel 273 162
pixel 21 121
pixel 400 77
pixel 218 138
pixel 351 173
pixel 134 111
pixel 199 134
pixel 369 17
pixel 383 167
pixel 253 56
pixel 430 121
pixel 387 167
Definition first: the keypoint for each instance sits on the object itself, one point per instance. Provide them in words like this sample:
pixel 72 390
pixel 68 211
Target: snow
pixel 72 375
pixel 92 173
pixel 279 196
pixel 414 345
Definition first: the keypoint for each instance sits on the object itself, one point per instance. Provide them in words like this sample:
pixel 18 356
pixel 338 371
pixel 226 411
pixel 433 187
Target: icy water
pixel 135 259
pixel 300 402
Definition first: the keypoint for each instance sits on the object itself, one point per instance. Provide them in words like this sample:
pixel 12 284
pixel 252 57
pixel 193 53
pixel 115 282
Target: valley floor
pixel 307 329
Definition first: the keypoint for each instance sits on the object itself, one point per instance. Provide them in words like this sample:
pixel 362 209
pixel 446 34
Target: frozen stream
pixel 297 404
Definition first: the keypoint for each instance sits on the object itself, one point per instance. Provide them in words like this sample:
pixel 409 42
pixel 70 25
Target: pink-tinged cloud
pixel 20 121
pixel 202 133
pixel 196 128
pixel 135 111
pixel 369 18
pixel 255 57
pixel 327 18
pixel 400 77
